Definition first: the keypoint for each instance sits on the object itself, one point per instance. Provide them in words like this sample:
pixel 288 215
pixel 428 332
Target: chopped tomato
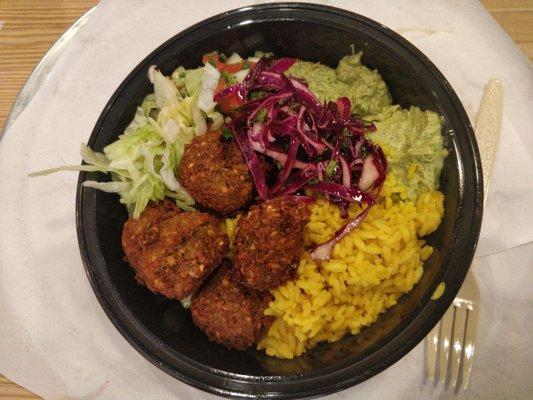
pixel 230 103
pixel 230 68
pixel 221 85
pixel 214 59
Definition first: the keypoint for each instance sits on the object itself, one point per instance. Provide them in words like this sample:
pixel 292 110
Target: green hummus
pixel 411 139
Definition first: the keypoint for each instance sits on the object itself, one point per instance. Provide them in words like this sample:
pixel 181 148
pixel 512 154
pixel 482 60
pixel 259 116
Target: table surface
pixel 29 27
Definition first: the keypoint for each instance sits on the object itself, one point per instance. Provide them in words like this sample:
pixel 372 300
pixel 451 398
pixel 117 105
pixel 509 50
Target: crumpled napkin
pixel 54 337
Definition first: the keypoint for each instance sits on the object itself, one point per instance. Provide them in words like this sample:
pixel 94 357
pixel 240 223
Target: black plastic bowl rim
pixel 301 385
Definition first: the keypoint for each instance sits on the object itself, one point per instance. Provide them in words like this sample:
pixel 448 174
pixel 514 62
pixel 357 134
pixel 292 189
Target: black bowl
pixel 163 332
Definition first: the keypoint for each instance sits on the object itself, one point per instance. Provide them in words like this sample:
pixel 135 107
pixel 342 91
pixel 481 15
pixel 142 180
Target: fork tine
pixel 458 341
pixel 445 340
pixel 432 345
pixel 470 340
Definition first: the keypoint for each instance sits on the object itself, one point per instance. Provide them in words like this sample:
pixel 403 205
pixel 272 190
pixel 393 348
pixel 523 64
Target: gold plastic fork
pixel 451 343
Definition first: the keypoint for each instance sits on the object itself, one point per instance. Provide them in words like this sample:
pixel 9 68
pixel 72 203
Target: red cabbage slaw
pixel 318 147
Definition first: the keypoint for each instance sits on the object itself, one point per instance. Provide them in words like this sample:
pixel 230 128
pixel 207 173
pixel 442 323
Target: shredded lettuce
pixel 168 168
pixel 149 106
pixel 165 91
pixel 178 77
pixel 210 79
pixel 109 187
pixel 199 121
pixel 138 120
pixel 217 120
pixel 95 159
pixel 239 76
pixel 44 172
pixel 234 59
pixel 143 161
pixel 146 160
pixel 193 80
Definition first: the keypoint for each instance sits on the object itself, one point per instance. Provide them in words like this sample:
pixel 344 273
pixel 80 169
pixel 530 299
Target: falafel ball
pixel 228 312
pixel 268 242
pixel 214 172
pixel 173 252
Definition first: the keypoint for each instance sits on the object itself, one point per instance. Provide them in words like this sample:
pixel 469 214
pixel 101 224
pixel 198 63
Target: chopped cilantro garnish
pixel 330 168
pixel 345 145
pixel 228 78
pixel 261 115
pixel 345 148
pixel 227 135
pixel 256 94
pixel 324 156
pixel 259 54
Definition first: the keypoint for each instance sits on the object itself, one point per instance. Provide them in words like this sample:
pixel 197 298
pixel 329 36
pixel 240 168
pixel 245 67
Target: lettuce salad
pixel 143 161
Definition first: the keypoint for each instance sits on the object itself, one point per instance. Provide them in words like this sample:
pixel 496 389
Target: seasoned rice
pixel 368 272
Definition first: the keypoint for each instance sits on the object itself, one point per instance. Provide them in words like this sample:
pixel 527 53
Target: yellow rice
pixel 368 271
